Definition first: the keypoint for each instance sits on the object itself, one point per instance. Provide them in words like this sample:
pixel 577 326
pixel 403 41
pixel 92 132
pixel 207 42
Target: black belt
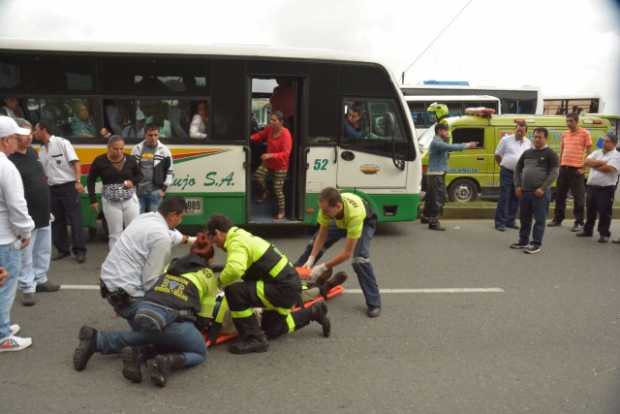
pixel 62 185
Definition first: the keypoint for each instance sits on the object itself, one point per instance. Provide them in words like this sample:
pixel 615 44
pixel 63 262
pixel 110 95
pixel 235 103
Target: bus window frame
pixel 350 145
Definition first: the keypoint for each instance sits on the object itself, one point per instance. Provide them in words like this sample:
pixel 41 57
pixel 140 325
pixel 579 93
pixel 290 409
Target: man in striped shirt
pixel 576 144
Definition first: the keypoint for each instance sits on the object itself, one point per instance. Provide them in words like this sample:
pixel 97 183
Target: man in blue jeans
pixel 345 215
pixel 15 232
pixel 507 153
pixel 535 171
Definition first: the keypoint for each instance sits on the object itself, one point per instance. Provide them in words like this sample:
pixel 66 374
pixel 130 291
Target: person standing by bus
pixel 119 174
pixel 576 144
pixel 604 167
pixel 345 215
pixel 438 154
pixel 36 256
pixel 62 168
pixel 507 154
pixel 155 161
pixel 275 160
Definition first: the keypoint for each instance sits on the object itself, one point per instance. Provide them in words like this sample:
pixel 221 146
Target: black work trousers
pixel 435 197
pixel 276 297
pixel 599 202
pixel 572 179
pixel 66 210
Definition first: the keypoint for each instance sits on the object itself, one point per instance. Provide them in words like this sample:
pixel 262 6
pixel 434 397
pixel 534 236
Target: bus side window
pixel 66 117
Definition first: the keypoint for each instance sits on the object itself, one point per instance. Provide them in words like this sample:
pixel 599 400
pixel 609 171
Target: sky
pixel 561 47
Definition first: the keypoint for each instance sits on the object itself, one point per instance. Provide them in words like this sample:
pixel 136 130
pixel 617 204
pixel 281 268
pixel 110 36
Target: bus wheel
pixel 463 190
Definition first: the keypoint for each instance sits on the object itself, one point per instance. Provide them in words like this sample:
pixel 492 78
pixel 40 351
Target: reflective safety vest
pixel 189 285
pixel 252 258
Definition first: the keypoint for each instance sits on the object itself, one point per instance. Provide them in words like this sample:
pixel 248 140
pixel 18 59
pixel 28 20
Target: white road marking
pixel 447 290
pixel 354 291
pixel 79 287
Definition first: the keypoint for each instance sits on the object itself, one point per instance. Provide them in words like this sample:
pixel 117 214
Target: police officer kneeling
pixel 257 275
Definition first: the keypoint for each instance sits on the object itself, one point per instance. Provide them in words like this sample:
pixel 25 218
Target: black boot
pixel 319 314
pixel 251 337
pixel 338 279
pixel 86 348
pixel 133 359
pixel 162 365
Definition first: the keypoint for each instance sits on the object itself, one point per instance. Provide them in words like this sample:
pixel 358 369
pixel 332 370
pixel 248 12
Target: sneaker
pixel 80 257
pixel 500 228
pixel 532 249
pixel 554 223
pixel 14 343
pixel 518 246
pixel 28 299
pixel 436 227
pixel 15 328
pixel 577 228
pixel 584 234
pixel 512 226
pixel 60 256
pixel 603 239
pixel 48 287
pixel 616 241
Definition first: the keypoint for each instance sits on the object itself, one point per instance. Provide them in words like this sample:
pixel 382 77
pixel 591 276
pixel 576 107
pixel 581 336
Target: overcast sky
pixel 562 47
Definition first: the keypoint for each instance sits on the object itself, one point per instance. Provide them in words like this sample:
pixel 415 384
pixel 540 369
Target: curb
pixel 489 213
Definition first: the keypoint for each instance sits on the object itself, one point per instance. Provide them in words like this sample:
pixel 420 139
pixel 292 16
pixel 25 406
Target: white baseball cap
pixel 8 126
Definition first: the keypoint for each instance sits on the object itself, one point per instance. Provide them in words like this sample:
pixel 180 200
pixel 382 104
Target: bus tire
pixel 463 190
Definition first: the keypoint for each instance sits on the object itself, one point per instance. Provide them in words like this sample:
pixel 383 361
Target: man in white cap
pixel 15 232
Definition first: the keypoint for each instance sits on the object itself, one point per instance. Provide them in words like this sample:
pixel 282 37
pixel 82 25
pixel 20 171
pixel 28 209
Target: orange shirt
pixel 574 145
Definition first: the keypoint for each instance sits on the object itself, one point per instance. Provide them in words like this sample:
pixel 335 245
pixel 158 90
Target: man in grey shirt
pixel 535 171
pixel 132 267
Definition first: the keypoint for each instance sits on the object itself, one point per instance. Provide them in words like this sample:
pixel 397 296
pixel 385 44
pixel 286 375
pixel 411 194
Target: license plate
pixel 193 206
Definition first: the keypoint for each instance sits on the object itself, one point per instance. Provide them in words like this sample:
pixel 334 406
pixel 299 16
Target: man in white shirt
pixel 507 153
pixel 62 167
pixel 601 186
pixel 15 232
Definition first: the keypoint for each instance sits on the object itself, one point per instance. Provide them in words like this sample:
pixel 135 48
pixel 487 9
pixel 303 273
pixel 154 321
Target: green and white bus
pixel 79 88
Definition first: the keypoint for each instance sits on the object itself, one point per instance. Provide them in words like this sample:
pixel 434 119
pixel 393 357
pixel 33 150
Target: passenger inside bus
pixel 82 125
pixel 283 100
pixel 11 107
pixel 353 122
pixel 198 127
pixel 274 161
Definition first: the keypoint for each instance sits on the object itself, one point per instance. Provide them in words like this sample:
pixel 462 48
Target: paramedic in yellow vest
pixel 345 215
pixel 257 275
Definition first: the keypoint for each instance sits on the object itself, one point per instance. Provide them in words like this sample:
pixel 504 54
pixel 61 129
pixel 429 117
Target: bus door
pixel 372 145
pixel 270 94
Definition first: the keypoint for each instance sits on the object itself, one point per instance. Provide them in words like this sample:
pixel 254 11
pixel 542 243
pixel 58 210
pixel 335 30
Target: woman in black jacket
pixel 119 174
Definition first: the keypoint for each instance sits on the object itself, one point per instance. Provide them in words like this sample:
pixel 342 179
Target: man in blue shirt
pixel 438 154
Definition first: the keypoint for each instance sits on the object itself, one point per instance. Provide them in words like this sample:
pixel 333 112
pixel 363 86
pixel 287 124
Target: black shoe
pixel 86 348
pixel 319 314
pixel 512 226
pixel 162 365
pixel 532 249
pixel 577 228
pixel 583 234
pixel 28 299
pixel 423 220
pixel 373 312
pixel 132 361
pixel 518 246
pixel 500 228
pixel 80 257
pixel 248 345
pixel 322 279
pixel 60 256
pixel 338 279
pixel 437 227
pixel 48 287
pixel 554 223
pixel 603 239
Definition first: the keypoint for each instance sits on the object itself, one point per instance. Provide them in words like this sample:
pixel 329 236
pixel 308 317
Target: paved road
pixel 547 344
